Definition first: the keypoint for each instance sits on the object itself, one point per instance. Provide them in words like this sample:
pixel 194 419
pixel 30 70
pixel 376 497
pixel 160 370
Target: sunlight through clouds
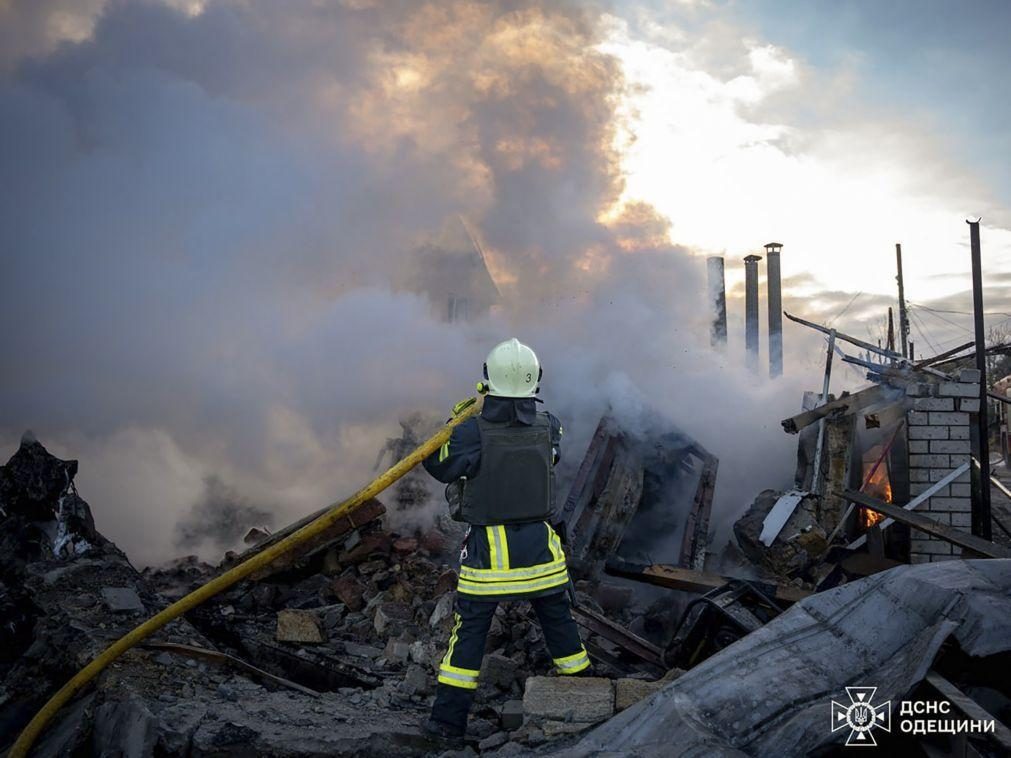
pixel 732 172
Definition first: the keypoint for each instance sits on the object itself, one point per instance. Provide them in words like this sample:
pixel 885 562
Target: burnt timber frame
pixel 964 540
pixel 582 511
pixel 619 635
pixel 687 580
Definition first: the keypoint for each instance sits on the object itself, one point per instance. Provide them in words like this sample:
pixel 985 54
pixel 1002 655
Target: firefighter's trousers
pixel 458 674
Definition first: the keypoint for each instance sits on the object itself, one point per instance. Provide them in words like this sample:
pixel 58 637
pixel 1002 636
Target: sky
pixel 212 208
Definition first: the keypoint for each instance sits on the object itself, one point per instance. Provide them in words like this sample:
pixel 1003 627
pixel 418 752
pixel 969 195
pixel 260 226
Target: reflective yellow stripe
pixel 469 673
pixel 517 574
pixel 554 544
pixel 454 681
pixel 570 658
pixel 444 452
pixel 498 547
pixel 504 547
pixel 452 640
pixel 509 588
pixel 573 664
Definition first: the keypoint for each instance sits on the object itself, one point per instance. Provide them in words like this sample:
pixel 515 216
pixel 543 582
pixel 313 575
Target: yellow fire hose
pixel 462 412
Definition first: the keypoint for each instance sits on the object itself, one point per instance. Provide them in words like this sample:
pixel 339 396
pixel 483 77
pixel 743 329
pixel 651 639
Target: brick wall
pixel 938 434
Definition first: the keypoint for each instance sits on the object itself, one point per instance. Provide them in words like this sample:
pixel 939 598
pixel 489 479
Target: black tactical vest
pixel 515 482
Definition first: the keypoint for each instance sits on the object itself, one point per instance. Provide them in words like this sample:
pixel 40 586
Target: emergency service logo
pixel 861 716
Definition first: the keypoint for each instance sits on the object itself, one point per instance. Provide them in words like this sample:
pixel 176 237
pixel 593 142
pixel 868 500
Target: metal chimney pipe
pixel 751 310
pixel 717 301
pixel 775 290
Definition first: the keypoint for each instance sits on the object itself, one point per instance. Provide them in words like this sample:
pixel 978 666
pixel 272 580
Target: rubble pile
pixel 334 652
pixel 334 649
pixel 67 593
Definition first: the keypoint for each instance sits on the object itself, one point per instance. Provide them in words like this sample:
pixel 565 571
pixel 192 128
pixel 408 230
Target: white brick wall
pixel 938 437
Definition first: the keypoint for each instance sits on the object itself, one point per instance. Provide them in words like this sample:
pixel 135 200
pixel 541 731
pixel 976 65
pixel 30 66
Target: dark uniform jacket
pixel 507 561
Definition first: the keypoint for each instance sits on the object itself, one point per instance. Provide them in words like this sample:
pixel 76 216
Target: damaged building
pixel 855 576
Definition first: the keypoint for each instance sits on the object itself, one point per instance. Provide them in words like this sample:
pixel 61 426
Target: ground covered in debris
pixel 332 653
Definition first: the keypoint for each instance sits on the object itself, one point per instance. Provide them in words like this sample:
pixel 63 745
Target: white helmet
pixel 512 370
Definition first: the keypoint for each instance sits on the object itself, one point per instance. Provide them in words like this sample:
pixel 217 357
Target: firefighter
pixel 500 470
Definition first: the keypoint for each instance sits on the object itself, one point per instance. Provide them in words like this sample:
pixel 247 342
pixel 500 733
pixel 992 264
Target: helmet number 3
pixel 530 377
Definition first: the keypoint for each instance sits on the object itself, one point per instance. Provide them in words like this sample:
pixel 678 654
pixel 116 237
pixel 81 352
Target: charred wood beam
pixel 891 354
pixel 687 580
pixel 312 668
pixel 924 524
pixel 619 635
pixel 216 656
pixel 369 511
pixel 943 357
pixel 842 406
pixel 696 534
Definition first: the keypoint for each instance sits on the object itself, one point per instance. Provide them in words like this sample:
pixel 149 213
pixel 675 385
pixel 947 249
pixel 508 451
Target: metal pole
pixel 891 331
pixel 981 448
pixel 816 477
pixel 751 310
pixel 717 301
pixel 903 317
pixel 775 297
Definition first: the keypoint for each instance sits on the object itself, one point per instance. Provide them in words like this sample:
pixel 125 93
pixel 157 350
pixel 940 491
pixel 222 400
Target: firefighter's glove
pixel 463 405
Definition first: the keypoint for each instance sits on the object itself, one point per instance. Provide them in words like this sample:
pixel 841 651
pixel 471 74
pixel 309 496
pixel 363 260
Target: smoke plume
pixel 214 219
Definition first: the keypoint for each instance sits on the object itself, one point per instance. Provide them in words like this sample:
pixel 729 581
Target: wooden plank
pixel 687 580
pixel 369 511
pixel 1001 734
pixel 696 535
pixel 846 338
pixel 928 525
pixel 216 656
pixel 916 501
pixel 619 635
pixel 841 406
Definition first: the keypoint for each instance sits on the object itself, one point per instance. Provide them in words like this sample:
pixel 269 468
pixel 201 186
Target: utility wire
pixel 917 321
pixel 957 313
pixel 843 311
pixel 945 320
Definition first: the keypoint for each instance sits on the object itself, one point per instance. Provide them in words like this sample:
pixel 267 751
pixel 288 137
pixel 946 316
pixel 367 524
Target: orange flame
pixel 878 487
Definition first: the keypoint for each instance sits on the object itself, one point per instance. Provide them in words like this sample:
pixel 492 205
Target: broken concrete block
pixel 362 651
pixel 512 715
pixel 416 681
pixel 446 582
pixel 397 650
pixel 390 618
pixel 124 728
pixel 969 375
pixel 405 545
pixel 572 699
pixel 630 691
pixel 426 654
pixel 434 541
pixel 298 626
pixel 121 599
pixel 552 729
pixel 490 743
pixel 443 610
pixel 498 670
pixel 348 590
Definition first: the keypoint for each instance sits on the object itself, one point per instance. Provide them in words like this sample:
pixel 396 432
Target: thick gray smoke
pixel 208 237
